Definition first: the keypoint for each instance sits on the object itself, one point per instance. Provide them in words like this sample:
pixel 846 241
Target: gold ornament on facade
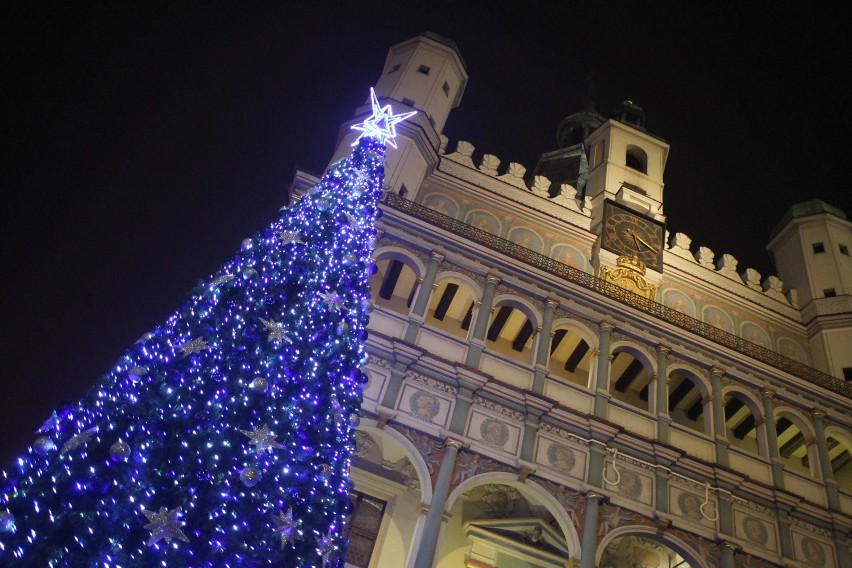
pixel 630 275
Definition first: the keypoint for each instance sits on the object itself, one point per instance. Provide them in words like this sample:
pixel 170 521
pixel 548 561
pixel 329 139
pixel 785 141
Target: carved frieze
pixel 498 408
pixel 431 382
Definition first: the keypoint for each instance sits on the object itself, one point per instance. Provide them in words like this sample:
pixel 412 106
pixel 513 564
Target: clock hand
pixel 632 234
pixel 641 240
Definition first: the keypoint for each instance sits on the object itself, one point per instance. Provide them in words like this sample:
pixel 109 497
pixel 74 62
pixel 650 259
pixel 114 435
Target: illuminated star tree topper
pixel 382 123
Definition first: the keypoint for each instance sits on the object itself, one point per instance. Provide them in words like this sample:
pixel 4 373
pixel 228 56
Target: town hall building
pixel 556 380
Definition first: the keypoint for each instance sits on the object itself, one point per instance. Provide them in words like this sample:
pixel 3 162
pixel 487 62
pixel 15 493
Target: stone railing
pixel 610 290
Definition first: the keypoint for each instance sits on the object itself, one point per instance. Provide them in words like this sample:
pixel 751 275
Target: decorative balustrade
pixel 610 290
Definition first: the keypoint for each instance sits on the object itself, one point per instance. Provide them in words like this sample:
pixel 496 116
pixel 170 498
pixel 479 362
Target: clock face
pixel 628 233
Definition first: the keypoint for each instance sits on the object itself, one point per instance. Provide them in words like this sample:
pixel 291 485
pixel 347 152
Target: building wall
pixel 691 429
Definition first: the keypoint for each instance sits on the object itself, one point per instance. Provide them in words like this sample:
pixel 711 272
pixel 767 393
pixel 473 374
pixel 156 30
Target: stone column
pixel 661 480
pixel 597 460
pixel 772 438
pixel 464 398
pixel 544 339
pixel 726 514
pixel 589 544
pixel 831 486
pixel 726 555
pixel 423 294
pixel 403 357
pixel 661 385
pixel 722 442
pixel 483 314
pixel 432 525
pixel 786 538
pixel 843 548
pixel 602 381
pixel 530 430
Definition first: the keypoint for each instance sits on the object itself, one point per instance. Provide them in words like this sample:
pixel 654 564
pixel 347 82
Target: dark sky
pixel 143 142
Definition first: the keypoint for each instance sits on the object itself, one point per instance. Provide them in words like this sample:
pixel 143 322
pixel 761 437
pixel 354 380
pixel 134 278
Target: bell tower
pixel 625 185
pixel 626 163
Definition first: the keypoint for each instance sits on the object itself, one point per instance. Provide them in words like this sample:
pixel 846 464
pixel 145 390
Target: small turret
pixel 810 248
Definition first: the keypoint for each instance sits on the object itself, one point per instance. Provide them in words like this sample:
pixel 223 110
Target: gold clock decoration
pixel 630 275
pixel 628 233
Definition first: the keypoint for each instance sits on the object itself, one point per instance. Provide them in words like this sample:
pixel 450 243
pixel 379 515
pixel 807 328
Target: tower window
pixel 446 89
pixel 829 293
pixel 844 250
pixel 818 248
pixel 423 69
pixel 394 69
pixel 847 373
pixel 408 102
pixel 637 159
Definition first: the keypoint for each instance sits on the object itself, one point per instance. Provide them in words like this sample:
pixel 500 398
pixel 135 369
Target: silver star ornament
pixel 290 237
pixel 332 300
pixel 286 526
pixel 194 346
pixel 275 331
pixel 262 439
pixel 78 440
pixel 326 548
pixel 164 525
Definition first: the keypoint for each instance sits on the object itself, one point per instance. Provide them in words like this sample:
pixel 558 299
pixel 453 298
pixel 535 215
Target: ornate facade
pixel 552 385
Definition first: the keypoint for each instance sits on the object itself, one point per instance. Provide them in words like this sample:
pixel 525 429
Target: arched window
pixel 686 401
pixel 741 423
pixel 451 306
pixel 570 356
pixel 796 454
pixel 394 284
pixel 637 159
pixel 511 331
pixel 630 378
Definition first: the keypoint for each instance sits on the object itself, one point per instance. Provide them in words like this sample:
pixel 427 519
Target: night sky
pixel 143 142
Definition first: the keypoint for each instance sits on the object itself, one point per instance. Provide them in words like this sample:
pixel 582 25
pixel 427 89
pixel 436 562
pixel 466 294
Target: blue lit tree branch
pixel 223 437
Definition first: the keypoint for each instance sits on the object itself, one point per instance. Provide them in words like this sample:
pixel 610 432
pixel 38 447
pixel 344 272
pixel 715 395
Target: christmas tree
pixel 223 437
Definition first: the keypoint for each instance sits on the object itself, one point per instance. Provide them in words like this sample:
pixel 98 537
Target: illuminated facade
pixel 557 381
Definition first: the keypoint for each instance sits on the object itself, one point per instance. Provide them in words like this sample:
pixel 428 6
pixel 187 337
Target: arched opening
pixel 687 401
pixel 497 522
pixel 389 483
pixel 794 448
pixel 740 423
pixel 394 284
pixel 570 355
pixel 840 457
pixel 645 550
pixel 451 307
pixel 637 159
pixel 629 378
pixel 511 331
